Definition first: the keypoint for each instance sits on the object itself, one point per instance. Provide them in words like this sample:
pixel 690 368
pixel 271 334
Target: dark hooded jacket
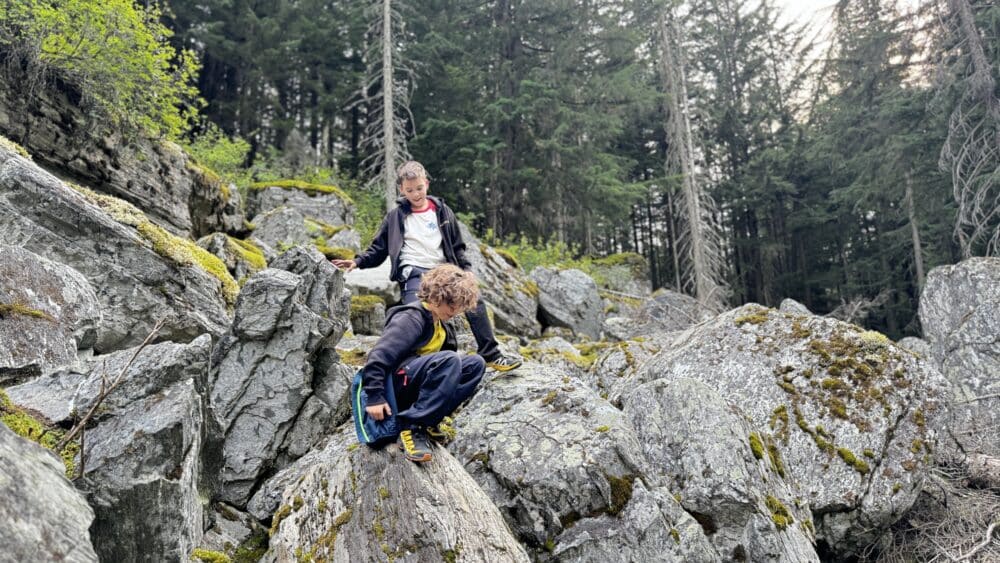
pixel 389 240
pixel 407 328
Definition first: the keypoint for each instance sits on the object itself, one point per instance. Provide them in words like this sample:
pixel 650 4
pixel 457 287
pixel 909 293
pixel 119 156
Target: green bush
pixel 116 54
pixel 227 157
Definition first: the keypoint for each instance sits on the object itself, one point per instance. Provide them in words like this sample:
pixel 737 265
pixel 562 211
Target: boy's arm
pixel 400 337
pixel 378 250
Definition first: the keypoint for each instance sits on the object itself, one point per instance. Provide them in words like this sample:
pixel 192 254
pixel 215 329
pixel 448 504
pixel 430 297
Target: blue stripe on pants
pixel 435 385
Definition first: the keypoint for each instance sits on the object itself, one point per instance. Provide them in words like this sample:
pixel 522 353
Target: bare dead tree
pixel 386 92
pixel 698 237
pixel 971 152
pixel 107 386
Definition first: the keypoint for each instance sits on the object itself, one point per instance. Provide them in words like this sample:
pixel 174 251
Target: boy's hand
pixel 347 266
pixel 379 411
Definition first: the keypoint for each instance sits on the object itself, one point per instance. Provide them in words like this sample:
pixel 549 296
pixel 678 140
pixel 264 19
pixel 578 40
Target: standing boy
pixel 419 234
pixel 416 355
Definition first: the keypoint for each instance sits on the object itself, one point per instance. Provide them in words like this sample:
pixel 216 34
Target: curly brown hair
pixel 450 285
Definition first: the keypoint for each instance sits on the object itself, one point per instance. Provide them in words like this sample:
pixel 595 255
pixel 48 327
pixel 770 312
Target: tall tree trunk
pixel 918 257
pixel 703 258
pixel 388 113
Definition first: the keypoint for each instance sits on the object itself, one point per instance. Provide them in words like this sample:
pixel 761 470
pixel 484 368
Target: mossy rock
pixel 364 304
pixel 312 189
pixel 12 146
pixel 181 252
pixel 335 252
pixel 248 252
pixel 18 309
pixel 43 434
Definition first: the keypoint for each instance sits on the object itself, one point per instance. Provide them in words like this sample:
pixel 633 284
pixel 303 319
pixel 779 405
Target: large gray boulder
pixel 611 373
pixel 135 285
pixel 152 174
pixel 44 517
pixel 360 504
pixel 323 203
pixel 569 298
pixel 282 228
pixel 61 394
pixel 853 416
pixel 374 281
pixel 142 469
pixel 653 527
pixel 548 451
pixel 512 296
pixel 264 370
pixel 722 470
pixel 48 310
pixel 960 314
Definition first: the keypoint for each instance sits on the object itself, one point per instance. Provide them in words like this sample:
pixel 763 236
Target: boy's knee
pixel 474 362
pixel 447 358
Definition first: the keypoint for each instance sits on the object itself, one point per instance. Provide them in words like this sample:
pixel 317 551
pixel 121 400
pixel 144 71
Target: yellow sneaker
pixel 504 363
pixel 415 446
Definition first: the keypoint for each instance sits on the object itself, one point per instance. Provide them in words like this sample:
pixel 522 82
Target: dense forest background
pixel 746 159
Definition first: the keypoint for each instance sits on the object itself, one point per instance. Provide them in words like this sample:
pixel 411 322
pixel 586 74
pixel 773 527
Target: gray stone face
pixel 853 416
pixel 364 505
pixel 135 286
pixel 154 175
pixel 373 281
pixel 263 374
pixel 701 445
pixel 558 353
pixel 611 373
pixel 74 389
pixel 326 207
pixel 960 314
pixel 794 307
pixel 548 451
pixel 509 292
pixel 918 346
pixel 281 228
pixel 569 298
pixel 44 517
pixel 653 527
pixel 66 306
pixel 141 476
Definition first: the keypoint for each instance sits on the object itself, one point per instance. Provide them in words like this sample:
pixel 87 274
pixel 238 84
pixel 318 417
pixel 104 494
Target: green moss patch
pixel 248 252
pixel 207 556
pixel 754 317
pixel 18 309
pixel 363 304
pixel 849 458
pixel 12 146
pixel 621 492
pixel 311 189
pixel 334 252
pixel 756 445
pixel 31 428
pixel 780 515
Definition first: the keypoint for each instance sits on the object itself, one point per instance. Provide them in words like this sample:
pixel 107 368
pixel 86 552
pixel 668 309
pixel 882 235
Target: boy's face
pixel 415 191
pixel 444 311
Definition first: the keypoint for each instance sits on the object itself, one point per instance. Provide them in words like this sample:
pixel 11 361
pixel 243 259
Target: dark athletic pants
pixel 479 321
pixel 432 386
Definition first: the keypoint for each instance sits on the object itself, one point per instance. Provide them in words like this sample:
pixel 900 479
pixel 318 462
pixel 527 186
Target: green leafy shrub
pixel 226 156
pixel 116 54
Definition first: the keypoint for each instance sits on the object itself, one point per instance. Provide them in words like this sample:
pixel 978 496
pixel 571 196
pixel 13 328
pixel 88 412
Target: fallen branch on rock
pixel 106 388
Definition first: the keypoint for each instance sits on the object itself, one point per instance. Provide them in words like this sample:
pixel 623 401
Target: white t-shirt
pixel 422 239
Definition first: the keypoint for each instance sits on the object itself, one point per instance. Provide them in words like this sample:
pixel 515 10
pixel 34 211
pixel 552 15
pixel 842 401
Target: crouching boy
pixel 416 355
